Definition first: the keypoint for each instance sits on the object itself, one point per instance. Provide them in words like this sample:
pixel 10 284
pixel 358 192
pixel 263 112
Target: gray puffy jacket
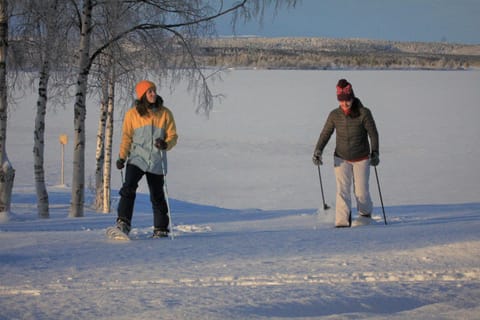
pixel 352 132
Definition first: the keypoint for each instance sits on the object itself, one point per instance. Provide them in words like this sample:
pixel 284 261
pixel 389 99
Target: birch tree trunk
pixel 7 173
pixel 78 176
pixel 39 131
pixel 100 150
pixel 39 141
pixel 107 169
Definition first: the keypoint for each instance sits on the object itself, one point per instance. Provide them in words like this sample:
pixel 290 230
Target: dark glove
pixel 161 144
pixel 374 159
pixel 120 164
pixel 317 158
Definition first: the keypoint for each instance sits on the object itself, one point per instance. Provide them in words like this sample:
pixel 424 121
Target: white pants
pixel 347 172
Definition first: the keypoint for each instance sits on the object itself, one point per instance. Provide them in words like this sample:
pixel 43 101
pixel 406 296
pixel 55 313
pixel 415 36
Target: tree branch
pixel 168 27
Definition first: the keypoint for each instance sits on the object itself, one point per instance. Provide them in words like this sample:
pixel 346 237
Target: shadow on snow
pixel 24 213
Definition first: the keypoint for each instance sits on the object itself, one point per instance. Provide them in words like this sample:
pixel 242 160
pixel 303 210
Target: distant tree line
pixel 321 53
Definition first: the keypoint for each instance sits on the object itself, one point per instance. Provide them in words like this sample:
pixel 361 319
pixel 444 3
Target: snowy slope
pixel 250 240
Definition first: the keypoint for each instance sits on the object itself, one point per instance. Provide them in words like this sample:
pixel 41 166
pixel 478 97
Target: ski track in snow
pixel 457 276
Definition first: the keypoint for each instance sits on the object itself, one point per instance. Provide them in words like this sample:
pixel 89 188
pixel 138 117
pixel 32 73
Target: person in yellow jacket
pixel 148 132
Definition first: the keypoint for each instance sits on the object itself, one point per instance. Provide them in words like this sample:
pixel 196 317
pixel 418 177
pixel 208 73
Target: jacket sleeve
pixel 371 128
pixel 127 136
pixel 170 131
pixel 326 133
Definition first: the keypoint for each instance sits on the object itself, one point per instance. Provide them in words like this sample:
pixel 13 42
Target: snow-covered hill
pixel 250 241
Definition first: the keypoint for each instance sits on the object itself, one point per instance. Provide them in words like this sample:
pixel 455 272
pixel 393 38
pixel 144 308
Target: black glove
pixel 120 164
pixel 374 159
pixel 161 144
pixel 317 158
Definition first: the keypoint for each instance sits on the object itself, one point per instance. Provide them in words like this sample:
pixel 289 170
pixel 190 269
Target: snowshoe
pixel 119 232
pixel 362 220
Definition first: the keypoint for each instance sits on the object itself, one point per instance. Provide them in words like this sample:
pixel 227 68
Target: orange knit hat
pixel 143 86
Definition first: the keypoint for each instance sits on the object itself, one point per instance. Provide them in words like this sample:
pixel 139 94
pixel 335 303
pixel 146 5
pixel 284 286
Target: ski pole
pixel 380 193
pixel 325 206
pixel 165 191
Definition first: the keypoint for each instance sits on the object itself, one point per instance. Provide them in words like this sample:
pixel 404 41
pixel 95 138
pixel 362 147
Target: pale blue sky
pixel 398 20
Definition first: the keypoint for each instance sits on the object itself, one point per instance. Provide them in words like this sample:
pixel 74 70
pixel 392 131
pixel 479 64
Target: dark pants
pixel 128 193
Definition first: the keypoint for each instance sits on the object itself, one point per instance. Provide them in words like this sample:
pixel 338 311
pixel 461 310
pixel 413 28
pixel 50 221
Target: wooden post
pixel 63 141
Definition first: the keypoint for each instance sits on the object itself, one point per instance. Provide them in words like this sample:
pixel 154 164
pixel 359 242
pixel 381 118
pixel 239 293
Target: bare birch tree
pixel 100 148
pixel 111 12
pixel 39 141
pixel 41 27
pixel 47 30
pixel 7 173
pixel 84 64
pixel 107 168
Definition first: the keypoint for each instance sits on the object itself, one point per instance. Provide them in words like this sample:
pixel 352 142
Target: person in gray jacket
pixel 354 153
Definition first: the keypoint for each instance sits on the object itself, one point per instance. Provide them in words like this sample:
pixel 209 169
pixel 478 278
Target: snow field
pixel 250 239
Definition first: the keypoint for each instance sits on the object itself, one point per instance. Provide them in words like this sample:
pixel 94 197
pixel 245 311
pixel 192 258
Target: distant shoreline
pixel 303 53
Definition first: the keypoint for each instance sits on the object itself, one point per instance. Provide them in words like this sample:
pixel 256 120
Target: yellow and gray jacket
pixel 138 139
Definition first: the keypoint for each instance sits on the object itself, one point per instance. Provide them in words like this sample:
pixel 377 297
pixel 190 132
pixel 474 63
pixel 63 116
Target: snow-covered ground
pixel 250 240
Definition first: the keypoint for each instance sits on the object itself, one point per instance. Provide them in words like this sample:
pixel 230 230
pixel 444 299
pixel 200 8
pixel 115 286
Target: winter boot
pixel 341 222
pixel 159 233
pixel 123 226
